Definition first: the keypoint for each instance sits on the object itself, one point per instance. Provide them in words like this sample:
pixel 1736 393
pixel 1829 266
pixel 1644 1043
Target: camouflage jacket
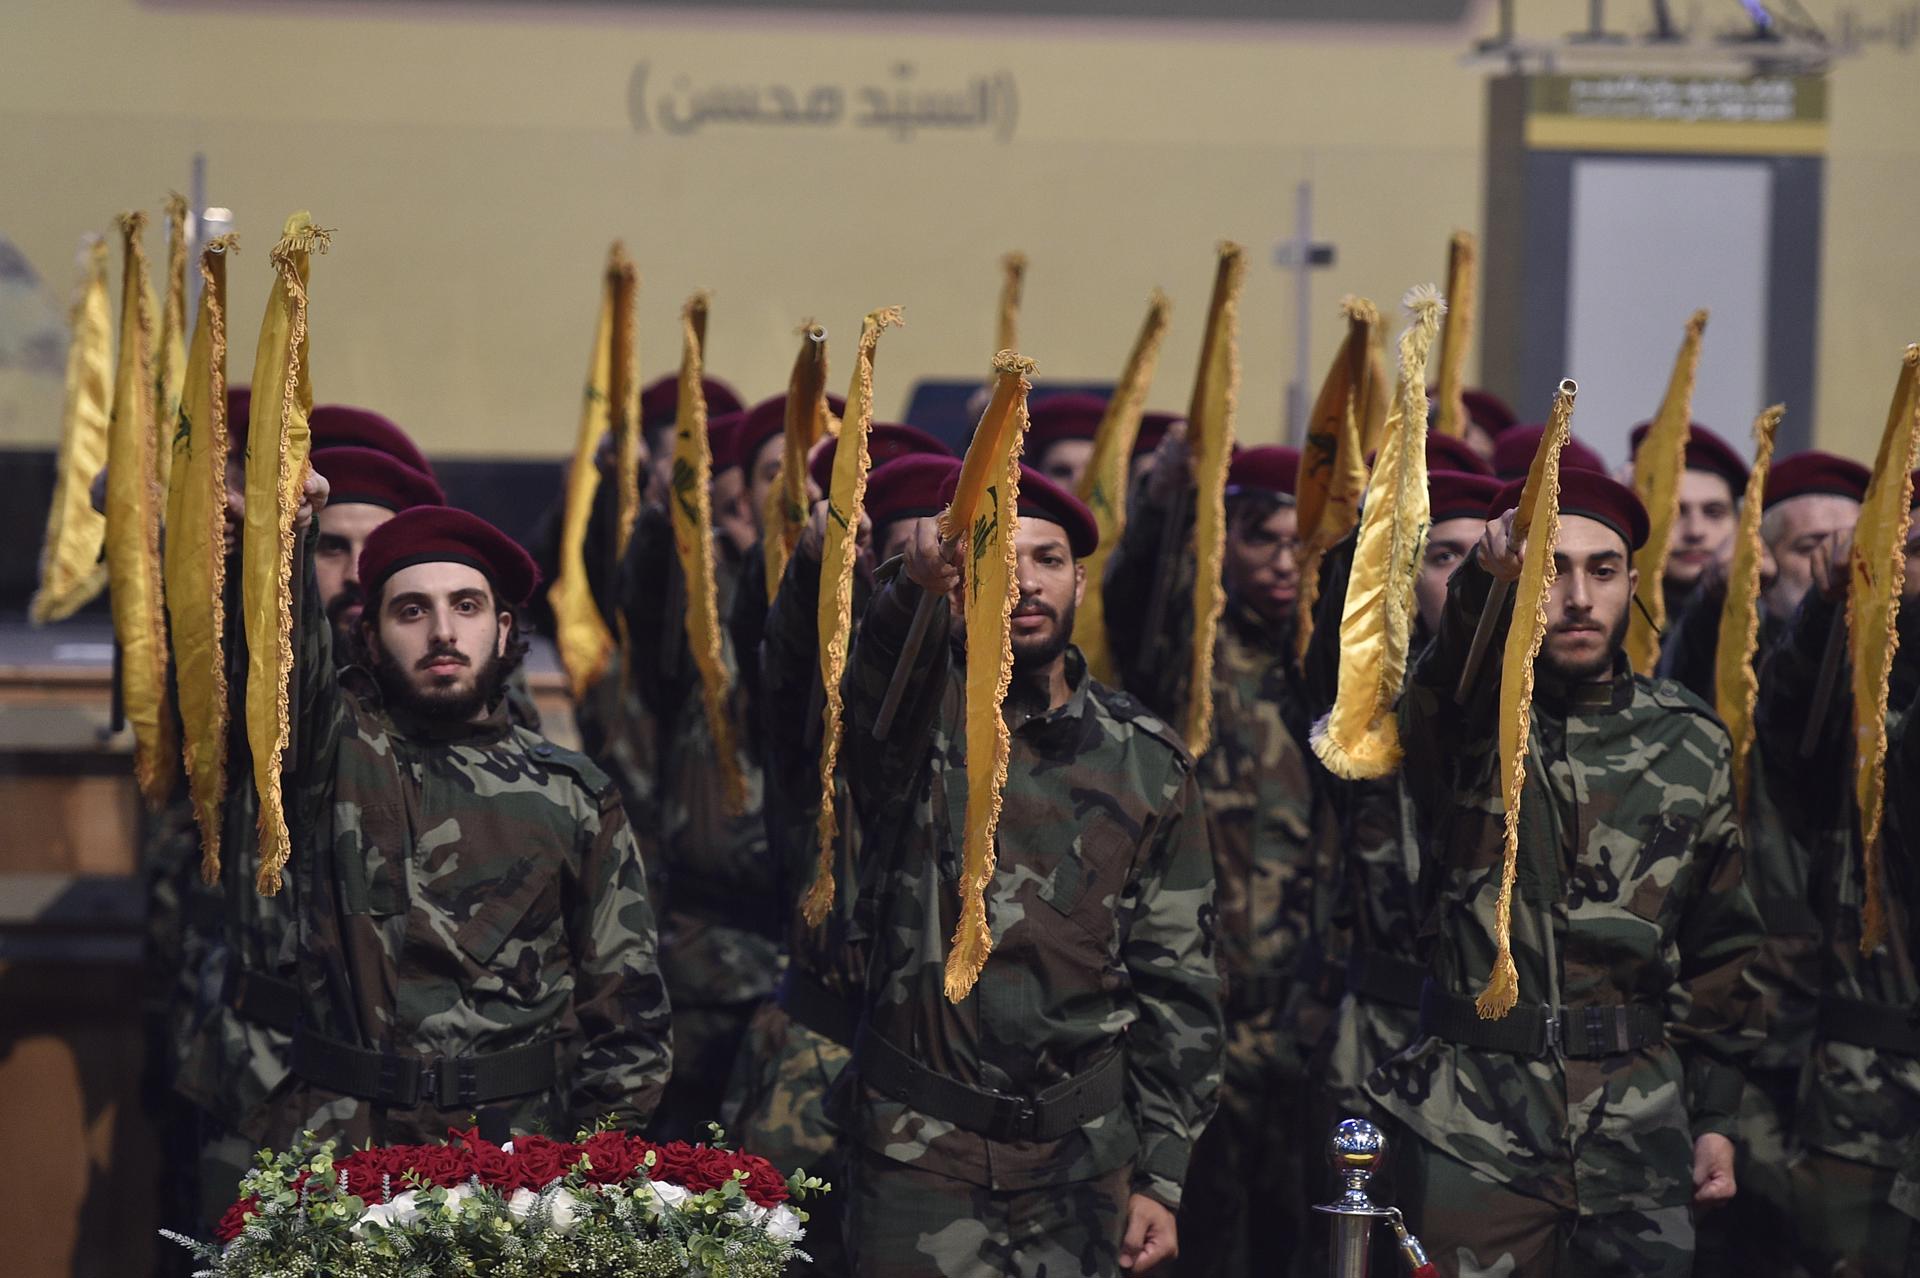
pixel 1858 1102
pixel 1630 891
pixel 1257 778
pixel 720 919
pixel 469 888
pixel 1099 906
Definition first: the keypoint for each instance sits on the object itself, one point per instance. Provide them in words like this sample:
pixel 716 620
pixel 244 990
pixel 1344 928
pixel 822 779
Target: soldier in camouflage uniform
pixel 1043 1124
pixel 475 938
pixel 1251 1169
pixel 720 917
pixel 1861 1097
pixel 1572 1135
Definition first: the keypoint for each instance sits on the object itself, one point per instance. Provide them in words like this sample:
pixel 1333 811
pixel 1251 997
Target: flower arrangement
pixel 607 1203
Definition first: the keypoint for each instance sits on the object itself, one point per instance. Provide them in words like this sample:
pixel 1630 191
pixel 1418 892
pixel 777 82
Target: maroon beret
pixel 1449 452
pixel 660 400
pixel 885 441
pixel 441 534
pixel 239 409
pixel 1059 417
pixel 1706 451
pixel 911 487
pixel 337 425
pixel 767 419
pixel 1488 411
pixel 1513 453
pixel 1274 468
pixel 1592 493
pixel 1811 472
pixel 1041 498
pixel 1153 429
pixel 1460 494
pixel 369 476
pixel 723 436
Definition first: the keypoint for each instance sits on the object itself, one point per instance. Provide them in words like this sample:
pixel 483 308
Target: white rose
pixel 402 1211
pixel 783 1225
pixel 564 1208
pixel 668 1194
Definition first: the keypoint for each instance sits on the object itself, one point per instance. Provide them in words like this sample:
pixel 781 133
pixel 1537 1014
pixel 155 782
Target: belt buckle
pixel 429 1088
pixel 1556 1039
pixel 1606 1026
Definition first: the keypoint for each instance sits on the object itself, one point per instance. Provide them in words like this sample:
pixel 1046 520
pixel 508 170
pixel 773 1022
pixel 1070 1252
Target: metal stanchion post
pixel 1355 1151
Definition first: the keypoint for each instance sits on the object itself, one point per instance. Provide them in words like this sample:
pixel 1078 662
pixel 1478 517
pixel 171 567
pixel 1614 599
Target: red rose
pixel 613 1157
pixel 442 1165
pixel 711 1169
pixel 676 1162
pixel 365 1171
pixel 541 1160
pixel 492 1164
pixel 764 1184
pixel 235 1220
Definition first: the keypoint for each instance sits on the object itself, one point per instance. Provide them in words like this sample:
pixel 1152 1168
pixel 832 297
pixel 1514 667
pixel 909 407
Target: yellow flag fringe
pixel 1210 425
pixel 691 503
pixel 71 571
pixel 1104 487
pixel 196 559
pixel 984 512
pixel 1656 479
pixel 1876 575
pixel 623 390
pixel 1006 327
pixel 170 356
pixel 579 630
pixel 785 514
pixel 278 442
pixel 136 590
pixel 1457 337
pixel 1736 686
pixel 1359 737
pixel 846 503
pixel 1537 521
pixel 1333 470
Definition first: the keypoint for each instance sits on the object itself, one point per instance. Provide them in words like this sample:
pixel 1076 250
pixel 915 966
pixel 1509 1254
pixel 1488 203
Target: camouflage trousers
pixel 705 1042
pixel 776 1108
pixel 1848 1224
pixel 1754 1233
pixel 903 1222
pixel 1250 1177
pixel 1475 1227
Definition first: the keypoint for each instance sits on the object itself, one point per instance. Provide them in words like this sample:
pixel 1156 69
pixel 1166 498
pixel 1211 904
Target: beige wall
pixel 477 158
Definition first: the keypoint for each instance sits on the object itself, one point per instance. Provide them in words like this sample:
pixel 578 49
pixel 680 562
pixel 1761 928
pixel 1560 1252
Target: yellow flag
pixel 1359 737
pixel 133 532
pixel 579 630
pixel 845 505
pixel 278 441
pixel 623 392
pixel 1216 388
pixel 1104 486
pixel 1537 520
pixel 1735 685
pixel 1006 327
pixel 170 355
pixel 1457 337
pixel 196 556
pixel 785 515
pixel 1877 573
pixel 1656 478
pixel 691 505
pixel 1333 469
pixel 984 513
pixel 71 573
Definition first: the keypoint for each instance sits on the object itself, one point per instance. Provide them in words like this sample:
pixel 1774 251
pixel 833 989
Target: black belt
pixel 403 1082
pixel 1881 1026
pixel 1065 1107
pixel 1383 978
pixel 1530 1029
pixel 264 1000
pixel 816 1007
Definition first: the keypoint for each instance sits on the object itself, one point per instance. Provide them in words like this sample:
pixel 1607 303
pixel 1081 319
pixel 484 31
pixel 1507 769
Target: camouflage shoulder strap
pixel 1671 694
pixel 560 759
pixel 1132 711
